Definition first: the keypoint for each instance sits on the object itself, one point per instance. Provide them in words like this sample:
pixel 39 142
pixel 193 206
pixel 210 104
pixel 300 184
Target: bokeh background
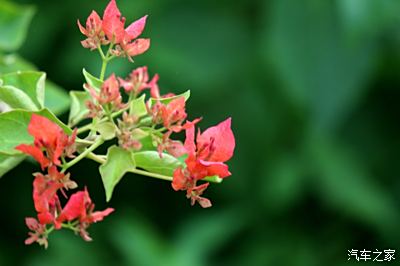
pixel 313 90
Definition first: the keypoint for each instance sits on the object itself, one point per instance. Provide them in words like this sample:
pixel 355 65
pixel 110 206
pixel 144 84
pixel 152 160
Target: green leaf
pixel 146 139
pixel 14 23
pixel 16 98
pixel 30 82
pixel 14 128
pixel 186 94
pixel 8 162
pixel 137 107
pixel 56 99
pixel 92 80
pixel 182 158
pixel 118 163
pixel 13 62
pixel 25 78
pixel 78 108
pixel 151 161
pixel 106 130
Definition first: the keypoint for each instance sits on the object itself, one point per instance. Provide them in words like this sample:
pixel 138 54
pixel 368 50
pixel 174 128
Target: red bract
pixel 206 157
pixel 80 208
pixel 49 137
pixel 38 233
pixel 173 112
pixel 93 32
pixel 113 27
pixel 138 81
pixel 215 146
pixel 109 93
pixel 45 198
pixel 113 24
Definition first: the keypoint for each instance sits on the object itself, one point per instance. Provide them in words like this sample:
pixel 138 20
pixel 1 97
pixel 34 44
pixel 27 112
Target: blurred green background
pixel 313 90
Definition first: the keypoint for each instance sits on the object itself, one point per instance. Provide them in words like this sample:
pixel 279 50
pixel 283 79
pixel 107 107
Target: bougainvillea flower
pixel 93 32
pixel 206 156
pixel 173 112
pixel 109 93
pixel 132 46
pixel 45 198
pixel 80 207
pixel 194 194
pixel 38 233
pixel 113 27
pixel 136 47
pixel 175 148
pixel 55 175
pixel 213 147
pixel 48 137
pixel 137 81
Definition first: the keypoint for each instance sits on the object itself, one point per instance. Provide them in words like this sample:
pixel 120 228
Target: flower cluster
pixel 51 147
pixel 143 124
pixel 168 115
pixel 111 31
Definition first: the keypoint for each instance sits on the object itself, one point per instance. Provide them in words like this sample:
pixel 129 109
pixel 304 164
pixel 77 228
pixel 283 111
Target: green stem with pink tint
pixel 94 146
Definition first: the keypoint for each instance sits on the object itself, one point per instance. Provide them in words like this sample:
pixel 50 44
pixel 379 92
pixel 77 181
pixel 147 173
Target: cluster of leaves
pixel 142 122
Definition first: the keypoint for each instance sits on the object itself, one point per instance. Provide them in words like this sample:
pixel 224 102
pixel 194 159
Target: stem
pixel 103 69
pixel 96 144
pixel 154 175
pixel 84 128
pixel 95 158
pixel 48 231
pixel 104 62
pixel 70 225
pixel 109 115
pixel 105 59
pixel 101 52
pixel 84 141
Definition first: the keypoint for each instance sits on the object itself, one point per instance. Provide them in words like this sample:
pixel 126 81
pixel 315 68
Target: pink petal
pixel 179 181
pixel 82 29
pixel 93 22
pixel 113 25
pixel 189 141
pixel 36 153
pixel 175 148
pixel 204 202
pixel 32 223
pixel 139 46
pixel 136 28
pixel 154 90
pixel 41 128
pixel 99 215
pixel 45 218
pixel 214 168
pixel 111 10
pixel 74 208
pixel 223 141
